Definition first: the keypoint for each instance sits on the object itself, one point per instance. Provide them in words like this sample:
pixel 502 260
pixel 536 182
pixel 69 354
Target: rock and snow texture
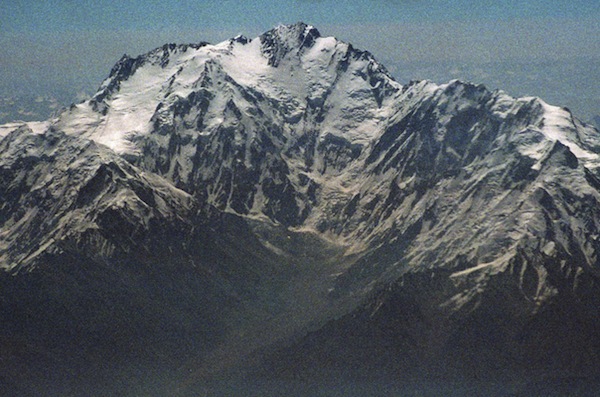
pixel 252 125
pixel 446 204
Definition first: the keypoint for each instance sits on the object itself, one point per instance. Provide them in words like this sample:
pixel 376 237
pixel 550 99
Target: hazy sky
pixel 548 48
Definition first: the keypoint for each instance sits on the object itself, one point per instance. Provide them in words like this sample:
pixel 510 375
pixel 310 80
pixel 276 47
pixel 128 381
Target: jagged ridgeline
pixel 278 215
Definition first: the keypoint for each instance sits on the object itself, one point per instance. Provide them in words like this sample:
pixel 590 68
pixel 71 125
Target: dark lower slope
pixel 408 335
pixel 78 325
pixel 168 307
pixel 171 309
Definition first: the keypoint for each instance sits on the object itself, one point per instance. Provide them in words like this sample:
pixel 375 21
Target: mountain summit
pixel 278 42
pixel 279 211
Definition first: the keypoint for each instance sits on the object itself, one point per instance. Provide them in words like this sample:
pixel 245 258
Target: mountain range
pixel 279 216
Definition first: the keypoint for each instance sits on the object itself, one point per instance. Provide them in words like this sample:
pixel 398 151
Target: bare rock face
pixel 280 208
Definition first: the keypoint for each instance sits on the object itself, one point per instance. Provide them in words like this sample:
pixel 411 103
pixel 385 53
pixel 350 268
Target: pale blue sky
pixel 66 15
pixel 68 46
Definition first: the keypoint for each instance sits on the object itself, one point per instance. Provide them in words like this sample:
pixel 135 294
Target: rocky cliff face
pixel 238 204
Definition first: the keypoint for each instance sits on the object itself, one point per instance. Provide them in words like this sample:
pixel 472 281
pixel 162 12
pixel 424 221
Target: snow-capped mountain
pixel 245 123
pixel 277 199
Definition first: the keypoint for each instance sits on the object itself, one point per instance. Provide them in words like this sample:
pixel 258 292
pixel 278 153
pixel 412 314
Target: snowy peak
pixel 249 161
pixel 285 124
pixel 127 66
pixel 313 75
pixel 278 42
pixel 124 68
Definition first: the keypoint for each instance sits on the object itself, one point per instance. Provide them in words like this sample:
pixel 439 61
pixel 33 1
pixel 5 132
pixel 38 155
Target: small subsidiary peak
pixel 298 30
pixel 240 39
pixel 281 40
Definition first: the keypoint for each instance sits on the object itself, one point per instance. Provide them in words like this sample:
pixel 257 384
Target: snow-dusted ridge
pixel 290 64
pixel 311 133
pixel 312 90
